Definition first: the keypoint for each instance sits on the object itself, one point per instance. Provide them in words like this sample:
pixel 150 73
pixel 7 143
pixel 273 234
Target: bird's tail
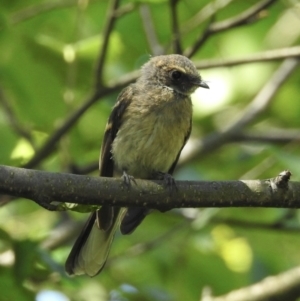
pixel 90 251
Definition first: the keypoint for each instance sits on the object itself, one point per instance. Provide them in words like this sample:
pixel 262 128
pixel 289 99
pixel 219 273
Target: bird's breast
pixel 150 139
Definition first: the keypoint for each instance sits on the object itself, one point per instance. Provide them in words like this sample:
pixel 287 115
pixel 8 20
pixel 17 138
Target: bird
pixel 144 136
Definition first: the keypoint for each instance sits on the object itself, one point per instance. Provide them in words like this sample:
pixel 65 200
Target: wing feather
pixel 186 138
pixel 106 164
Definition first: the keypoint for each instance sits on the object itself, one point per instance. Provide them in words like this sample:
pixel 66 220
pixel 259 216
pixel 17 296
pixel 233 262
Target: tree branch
pixel 37 9
pixel 207 12
pixel 265 96
pixel 149 29
pixel 275 226
pixel 108 27
pixel 266 56
pixel 246 17
pixel 279 136
pixel 141 248
pixel 175 27
pixel 284 286
pixel 19 128
pixel 45 188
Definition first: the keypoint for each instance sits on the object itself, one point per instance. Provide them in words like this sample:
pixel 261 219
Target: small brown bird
pixel 144 136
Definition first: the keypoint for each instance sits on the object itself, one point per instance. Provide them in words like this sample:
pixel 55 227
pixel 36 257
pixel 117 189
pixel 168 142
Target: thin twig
pixel 280 136
pixel 284 286
pixel 66 230
pixel 205 13
pixel 246 17
pixel 289 137
pixel 20 129
pixel 265 56
pixel 149 29
pixel 108 27
pixel 175 27
pixel 263 99
pixel 125 9
pixel 38 9
pixel 141 248
pixel 250 225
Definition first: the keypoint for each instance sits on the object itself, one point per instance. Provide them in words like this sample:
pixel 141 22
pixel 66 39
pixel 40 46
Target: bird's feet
pixel 127 179
pixel 169 181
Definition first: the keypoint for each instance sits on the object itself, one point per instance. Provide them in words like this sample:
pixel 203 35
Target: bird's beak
pixel 203 84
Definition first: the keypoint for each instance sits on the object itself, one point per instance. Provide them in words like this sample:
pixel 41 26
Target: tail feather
pixel 133 217
pixel 90 251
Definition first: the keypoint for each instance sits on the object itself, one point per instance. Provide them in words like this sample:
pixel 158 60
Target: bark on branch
pixel 46 188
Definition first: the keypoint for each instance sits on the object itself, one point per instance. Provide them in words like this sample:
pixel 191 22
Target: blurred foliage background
pixel 62 65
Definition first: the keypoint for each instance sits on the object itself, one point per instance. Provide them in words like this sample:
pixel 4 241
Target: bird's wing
pixel 90 251
pixel 114 122
pixel 105 216
pixel 172 168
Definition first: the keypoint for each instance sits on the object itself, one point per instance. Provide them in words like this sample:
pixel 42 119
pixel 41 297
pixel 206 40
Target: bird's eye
pixel 176 74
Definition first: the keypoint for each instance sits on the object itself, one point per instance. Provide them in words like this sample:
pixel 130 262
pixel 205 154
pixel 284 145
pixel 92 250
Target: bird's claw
pixel 169 181
pixel 127 179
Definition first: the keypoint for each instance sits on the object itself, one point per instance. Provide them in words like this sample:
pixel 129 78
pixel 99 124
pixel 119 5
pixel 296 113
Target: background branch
pixel 278 227
pixel 107 29
pixel 153 42
pixel 207 12
pixel 285 286
pixel 278 136
pixel 175 27
pixel 40 8
pixel 12 118
pixel 264 98
pixel 250 15
pixel 266 56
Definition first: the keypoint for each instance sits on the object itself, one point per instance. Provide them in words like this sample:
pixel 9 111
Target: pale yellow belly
pixel 143 147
